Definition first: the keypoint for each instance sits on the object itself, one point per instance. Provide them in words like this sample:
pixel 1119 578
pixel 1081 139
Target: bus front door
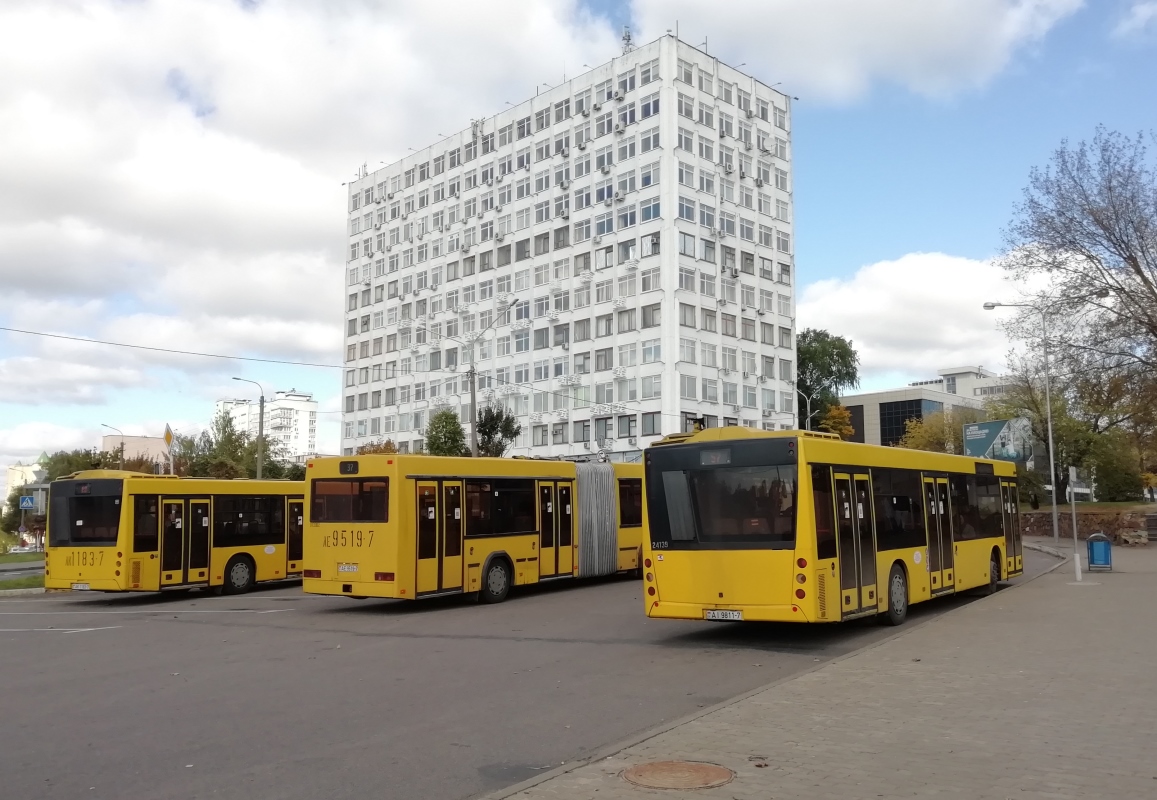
pixel 293 552
pixel 856 543
pixel 565 517
pixel 198 541
pixel 940 559
pixel 1013 553
pixel 427 521
pixel 451 540
pixel 172 542
pixel 547 549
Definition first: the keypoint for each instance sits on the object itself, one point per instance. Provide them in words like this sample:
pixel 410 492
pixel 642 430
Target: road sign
pixel 22 529
pixel 168 436
pixel 27 502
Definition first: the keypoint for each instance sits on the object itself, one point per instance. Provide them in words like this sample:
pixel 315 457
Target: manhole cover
pixel 678 775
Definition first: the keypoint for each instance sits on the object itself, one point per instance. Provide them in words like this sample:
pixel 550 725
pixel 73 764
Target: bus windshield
pixel 85 512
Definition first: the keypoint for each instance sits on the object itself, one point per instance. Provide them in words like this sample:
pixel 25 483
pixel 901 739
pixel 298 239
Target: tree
pixel 838 420
pixel 939 432
pixel 497 430
pixel 382 446
pixel 1115 469
pixel 1087 224
pixel 826 365
pixel 444 434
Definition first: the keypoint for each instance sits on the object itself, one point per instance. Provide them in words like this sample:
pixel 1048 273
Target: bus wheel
pixel 897 596
pixel 496 585
pixel 239 576
pixel 993 575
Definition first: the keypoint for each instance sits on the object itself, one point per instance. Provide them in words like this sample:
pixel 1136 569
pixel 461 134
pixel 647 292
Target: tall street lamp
pixel 122 448
pixel 473 373
pixel 807 426
pixel 1048 399
pixel 260 425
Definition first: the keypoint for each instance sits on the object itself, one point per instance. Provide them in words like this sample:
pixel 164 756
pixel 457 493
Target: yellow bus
pixel 114 531
pixel 798 526
pixel 413 526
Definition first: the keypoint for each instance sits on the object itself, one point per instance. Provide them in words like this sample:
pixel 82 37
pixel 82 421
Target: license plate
pixel 724 614
pixel 347 567
pixel 80 587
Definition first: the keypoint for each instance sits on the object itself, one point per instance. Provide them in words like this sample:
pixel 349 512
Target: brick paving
pixel 1044 690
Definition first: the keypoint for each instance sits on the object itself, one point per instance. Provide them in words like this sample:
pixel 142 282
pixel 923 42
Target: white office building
pixel 290 420
pixel 614 255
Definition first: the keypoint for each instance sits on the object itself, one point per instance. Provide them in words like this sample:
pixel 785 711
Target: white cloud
pixel 27 441
pixel 1142 17
pixel 837 49
pixel 910 317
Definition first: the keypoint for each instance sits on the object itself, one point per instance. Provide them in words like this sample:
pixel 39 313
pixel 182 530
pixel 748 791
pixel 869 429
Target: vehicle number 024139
pixel 345 538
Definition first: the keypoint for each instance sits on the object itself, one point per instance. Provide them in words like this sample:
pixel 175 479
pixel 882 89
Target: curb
pixel 1052 551
pixel 664 727
pixel 11 592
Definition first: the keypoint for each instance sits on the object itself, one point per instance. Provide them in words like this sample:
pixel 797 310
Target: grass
pixel 29 582
pixel 19 558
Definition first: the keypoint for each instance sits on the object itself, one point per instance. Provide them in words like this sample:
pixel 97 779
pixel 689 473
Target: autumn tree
pixel 826 366
pixel 380 447
pixel 837 420
pixel 444 434
pixel 940 431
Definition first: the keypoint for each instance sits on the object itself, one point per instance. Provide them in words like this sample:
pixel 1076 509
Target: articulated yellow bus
pixel 114 531
pixel 802 527
pixel 411 526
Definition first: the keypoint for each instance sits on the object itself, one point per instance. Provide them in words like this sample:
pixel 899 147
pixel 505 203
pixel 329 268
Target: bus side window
pixel 825 525
pixel 630 502
pixel 145 535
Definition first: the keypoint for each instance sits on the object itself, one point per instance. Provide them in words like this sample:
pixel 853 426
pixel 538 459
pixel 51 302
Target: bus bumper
pixel 383 589
pixel 660 609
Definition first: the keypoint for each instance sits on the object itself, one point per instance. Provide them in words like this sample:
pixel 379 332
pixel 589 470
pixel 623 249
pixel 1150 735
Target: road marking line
pixel 57 630
pixel 149 611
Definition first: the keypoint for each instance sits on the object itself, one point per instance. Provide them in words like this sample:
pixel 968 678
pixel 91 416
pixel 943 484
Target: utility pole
pixel 473 413
pixel 260 426
pixel 122 447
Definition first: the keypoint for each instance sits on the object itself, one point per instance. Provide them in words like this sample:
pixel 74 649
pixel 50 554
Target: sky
pixel 171 171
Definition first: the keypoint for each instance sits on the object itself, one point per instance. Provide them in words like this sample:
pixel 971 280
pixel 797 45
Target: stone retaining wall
pixel 1123 527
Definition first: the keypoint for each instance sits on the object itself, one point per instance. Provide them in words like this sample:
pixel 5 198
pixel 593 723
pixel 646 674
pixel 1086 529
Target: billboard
pixel 1005 439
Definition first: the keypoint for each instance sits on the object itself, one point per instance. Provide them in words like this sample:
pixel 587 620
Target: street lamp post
pixel 260 425
pixel 807 426
pixel 1101 293
pixel 122 447
pixel 473 373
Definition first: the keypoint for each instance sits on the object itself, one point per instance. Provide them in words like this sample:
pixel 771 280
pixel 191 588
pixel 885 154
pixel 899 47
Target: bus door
pixel 197 537
pixel 293 550
pixel 939 535
pixel 547 549
pixel 856 543
pixel 1013 554
pixel 565 517
pixel 427 513
pixel 172 542
pixel 451 539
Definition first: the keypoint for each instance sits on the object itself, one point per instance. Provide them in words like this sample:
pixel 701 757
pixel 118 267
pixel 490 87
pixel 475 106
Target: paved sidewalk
pixel 1044 690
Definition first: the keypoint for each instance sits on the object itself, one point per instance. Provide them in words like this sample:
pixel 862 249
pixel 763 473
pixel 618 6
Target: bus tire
pixel 993 573
pixel 240 575
pixel 897 596
pixel 495 581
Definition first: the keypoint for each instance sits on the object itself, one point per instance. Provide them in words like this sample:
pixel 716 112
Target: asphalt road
pixel 281 695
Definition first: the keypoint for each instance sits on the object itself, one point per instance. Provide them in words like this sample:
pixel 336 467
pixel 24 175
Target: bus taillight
pixel 312 573
pixel 801 562
pixel 384 576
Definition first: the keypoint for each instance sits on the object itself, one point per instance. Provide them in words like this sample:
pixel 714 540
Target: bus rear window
pixel 357 500
pixel 745 504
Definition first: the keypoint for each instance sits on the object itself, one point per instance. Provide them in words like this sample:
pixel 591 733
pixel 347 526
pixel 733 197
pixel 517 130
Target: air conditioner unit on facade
pixel 747 145
pixel 762 379
pixel 582 145
pixel 618 127
pixel 565 152
pixel 734 271
pixel 586 112
pixel 735 409
pixel 597 239
pixel 378 227
pixel 728 168
pixel 390 196
pixel 760 311
pixel 618 195
pixel 747 374
pixel 608 201
pixel 564 184
pixel 632 440
pixel 759 182
pixel 742 173
pixel 605 169
pixel 618 94
pixel 749 113
pixel 595 106
pixel 767 412
pixel 565 215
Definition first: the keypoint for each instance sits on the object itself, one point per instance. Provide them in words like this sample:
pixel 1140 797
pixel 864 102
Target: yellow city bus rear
pixel 802 527
pixel 410 526
pixel 116 531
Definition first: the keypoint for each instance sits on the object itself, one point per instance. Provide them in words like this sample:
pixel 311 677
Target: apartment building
pixel 612 257
pixel 290 420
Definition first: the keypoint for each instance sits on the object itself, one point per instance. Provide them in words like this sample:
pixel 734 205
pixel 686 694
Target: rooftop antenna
pixel 628 43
